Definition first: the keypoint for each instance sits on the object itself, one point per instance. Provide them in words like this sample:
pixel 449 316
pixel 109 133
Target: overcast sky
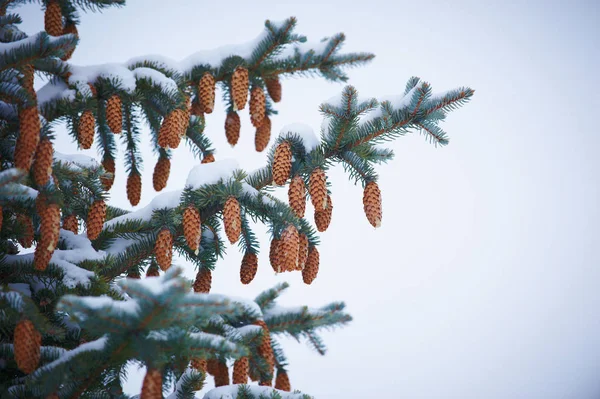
pixel 483 280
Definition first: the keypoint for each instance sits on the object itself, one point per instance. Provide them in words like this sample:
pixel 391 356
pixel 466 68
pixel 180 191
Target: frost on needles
pixel 89 289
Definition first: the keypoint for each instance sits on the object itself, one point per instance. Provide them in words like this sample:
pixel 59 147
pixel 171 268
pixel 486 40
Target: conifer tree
pixel 98 289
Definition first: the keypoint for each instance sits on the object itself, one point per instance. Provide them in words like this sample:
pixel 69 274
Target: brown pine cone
pixel 95 219
pixel 85 130
pixel 311 269
pixel 71 224
pixel 239 88
pixel 162 169
pixel 41 258
pixel 199 364
pixel 171 129
pixel 282 381
pixel 323 217
pixel 181 120
pixel 248 268
pixel 197 109
pixel 163 249
pixel 282 163
pixel 263 134
pixel 222 375
pixel 208 158
pixel 274 88
pixel 232 219
pixel 93 90
pixel 232 128
pixel 42 163
pixel 152 270
pixel 212 367
pixel 108 178
pixel 288 248
pixel 114 114
pixel 49 227
pixel 372 203
pixel 317 188
pixel 70 28
pixel 302 251
pixel 203 281
pixel 134 188
pixel 206 92
pixel 257 106
pixel 152 386
pixel 26 240
pixel 27 344
pixel 192 227
pixel 265 350
pixel 134 273
pixel 53 22
pixel 240 371
pixel 297 196
pixel 28 78
pixel 29 137
pixel 275 256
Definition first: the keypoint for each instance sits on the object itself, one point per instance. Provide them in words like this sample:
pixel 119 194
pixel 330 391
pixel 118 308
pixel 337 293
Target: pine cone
pixel 26 240
pixel 53 23
pixel 42 164
pixel 203 281
pixel 163 249
pixel 108 178
pixel 134 273
pixel 161 173
pixel 152 386
pixel 197 109
pixel 282 163
pixel 71 224
pixel 93 90
pixel 232 128
pixel 170 131
pixel 311 269
pixel 41 258
pixel 199 364
pixel 288 248
pixel 95 219
pixel 249 268
pixel 85 130
pixel 282 381
pixel 257 106
pixel 263 134
pixel 49 227
pixel 208 158
pixel 180 123
pixel 297 196
pixel 70 28
pixel 274 88
pixel 114 114
pixel 27 79
pixel 372 203
pixel 265 350
pixel 274 256
pixel 192 227
pixel 317 188
pixel 302 251
pixel 239 88
pixel 134 188
pixel 232 219
pixel 185 121
pixel 323 217
pixel 222 375
pixel 240 371
pixel 27 344
pixel 152 270
pixel 212 367
pixel 29 137
pixel 206 92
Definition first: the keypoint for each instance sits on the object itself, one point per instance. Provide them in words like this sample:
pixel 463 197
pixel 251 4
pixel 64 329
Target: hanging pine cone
pixel 27 344
pixel 95 219
pixel 274 256
pixel 209 158
pixel 274 88
pixel 70 28
pixel 232 219
pixel 248 268
pixel 282 163
pixel 239 88
pixel 263 134
pixel 311 269
pixel 152 270
pixel 232 128
pixel 134 188
pixel 53 23
pixel 180 121
pixel 203 281
pixel 323 217
pixel 282 381
pixel 192 227
pixel 222 375
pixel 199 364
pixel 108 178
pixel 240 371
pixel 212 366
pixel 288 248
pixel 134 273
pixel 297 196
pixel 41 258
pixel 265 350
pixel 85 130
pixel 29 137
pixel 372 203
pixel 185 118
pixel 49 227
pixel 152 386
pixel 302 251
pixel 114 114
pixel 169 133
pixel 162 169
pixel 257 106
pixel 26 240
pixel 27 79
pixel 93 90
pixel 317 188
pixel 206 92
pixel 163 249
pixel 71 224
pixel 42 164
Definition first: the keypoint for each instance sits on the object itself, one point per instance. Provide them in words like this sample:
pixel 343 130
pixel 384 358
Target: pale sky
pixel 483 280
